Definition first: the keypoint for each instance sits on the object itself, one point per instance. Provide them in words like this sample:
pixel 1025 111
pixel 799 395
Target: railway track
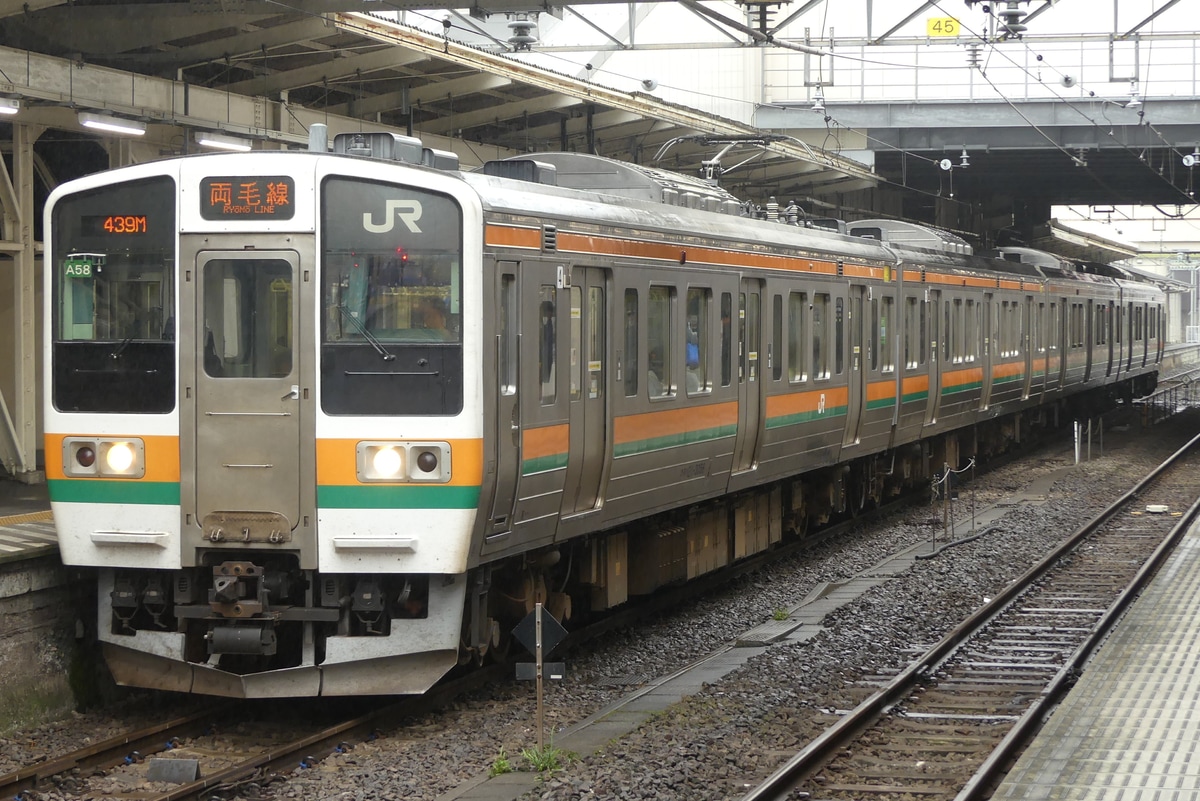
pixel 950 724
pixel 229 746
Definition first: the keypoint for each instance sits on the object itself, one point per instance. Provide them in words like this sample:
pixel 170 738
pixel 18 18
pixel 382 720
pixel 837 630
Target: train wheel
pixel 487 651
pixel 501 643
pixel 559 605
pixel 857 493
pixel 801 526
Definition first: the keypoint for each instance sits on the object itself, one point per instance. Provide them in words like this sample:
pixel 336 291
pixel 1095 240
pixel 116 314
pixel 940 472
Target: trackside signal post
pixel 540 634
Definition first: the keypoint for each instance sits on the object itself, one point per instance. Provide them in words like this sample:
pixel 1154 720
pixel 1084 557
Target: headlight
pixel 119 457
pixel 403 462
pixel 386 462
pixel 104 457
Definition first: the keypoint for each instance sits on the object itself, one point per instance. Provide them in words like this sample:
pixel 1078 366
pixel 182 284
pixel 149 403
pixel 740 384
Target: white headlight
pixel 386 462
pixel 120 457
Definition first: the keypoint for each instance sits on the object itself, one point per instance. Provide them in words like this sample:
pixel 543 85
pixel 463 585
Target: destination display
pixel 241 197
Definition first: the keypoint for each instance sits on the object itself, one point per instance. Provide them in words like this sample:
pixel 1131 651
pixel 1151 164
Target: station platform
pixel 1129 730
pixel 26 526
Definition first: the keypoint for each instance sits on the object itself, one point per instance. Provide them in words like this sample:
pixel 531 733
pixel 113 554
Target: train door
pixel 1056 343
pixel 1110 336
pixel 856 374
pixel 588 365
pixel 1141 329
pixel 749 333
pixel 1088 337
pixel 1028 342
pixel 1125 361
pixel 507 392
pixel 247 394
pixel 543 398
pixel 989 348
pixel 935 345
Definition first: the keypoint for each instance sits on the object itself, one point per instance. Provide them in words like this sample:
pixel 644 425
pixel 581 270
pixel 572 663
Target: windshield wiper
pixel 367 335
pixel 120 348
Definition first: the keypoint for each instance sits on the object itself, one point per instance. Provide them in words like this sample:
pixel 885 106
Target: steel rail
pixel 317 746
pixel 112 751
pixel 920 672
pixel 994 766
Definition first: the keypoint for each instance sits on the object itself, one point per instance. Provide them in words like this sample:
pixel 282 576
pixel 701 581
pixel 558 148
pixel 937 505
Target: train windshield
pixel 391 288
pixel 113 252
pixel 392 259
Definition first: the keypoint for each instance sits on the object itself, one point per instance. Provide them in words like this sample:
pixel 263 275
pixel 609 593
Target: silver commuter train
pixel 329 423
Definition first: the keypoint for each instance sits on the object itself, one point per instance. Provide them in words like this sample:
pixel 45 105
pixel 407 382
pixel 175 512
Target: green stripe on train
pixel 956 388
pixel 543 464
pixel 805 417
pixel 397 496
pixel 673 440
pixel 101 490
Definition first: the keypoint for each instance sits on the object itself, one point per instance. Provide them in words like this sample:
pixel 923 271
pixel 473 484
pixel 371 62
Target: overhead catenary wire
pixel 1068 103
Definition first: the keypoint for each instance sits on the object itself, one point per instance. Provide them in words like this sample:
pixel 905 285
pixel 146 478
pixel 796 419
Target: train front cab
pixel 306 474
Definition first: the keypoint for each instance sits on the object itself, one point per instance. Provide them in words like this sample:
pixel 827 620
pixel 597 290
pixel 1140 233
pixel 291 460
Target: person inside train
pixel 694 382
pixel 212 360
pixel 433 315
pixel 654 382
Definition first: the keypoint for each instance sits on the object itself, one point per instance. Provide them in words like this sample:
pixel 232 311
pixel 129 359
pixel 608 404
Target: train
pixel 328 422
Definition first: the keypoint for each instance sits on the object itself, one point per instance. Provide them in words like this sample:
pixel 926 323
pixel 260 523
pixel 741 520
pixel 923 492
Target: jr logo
pixel 409 211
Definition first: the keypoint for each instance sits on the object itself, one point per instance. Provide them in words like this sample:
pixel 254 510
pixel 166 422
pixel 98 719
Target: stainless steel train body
pixel 327 425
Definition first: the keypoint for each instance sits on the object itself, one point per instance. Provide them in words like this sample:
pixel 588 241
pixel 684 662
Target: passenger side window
pixel 576 343
pixel 776 337
pixel 873 347
pixel 726 338
pixel 699 302
pixel 820 336
pixel 506 370
pixel 547 345
pixel 658 341
pixel 797 303
pixel 1039 322
pixel 886 361
pixel 839 334
pixel 971 327
pixel 923 337
pixel 911 340
pixel 631 343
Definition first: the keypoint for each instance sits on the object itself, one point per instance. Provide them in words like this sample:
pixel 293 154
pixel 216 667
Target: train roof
pixel 594 190
pixel 601 191
pixel 908 234
pixel 589 173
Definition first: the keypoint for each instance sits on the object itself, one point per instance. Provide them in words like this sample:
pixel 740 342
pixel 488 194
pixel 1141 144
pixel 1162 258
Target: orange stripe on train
pixel 545 441
pixel 635 427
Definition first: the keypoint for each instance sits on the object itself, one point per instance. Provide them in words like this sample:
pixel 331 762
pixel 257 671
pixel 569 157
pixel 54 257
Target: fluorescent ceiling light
pixel 222 142
pixel 9 106
pixel 103 122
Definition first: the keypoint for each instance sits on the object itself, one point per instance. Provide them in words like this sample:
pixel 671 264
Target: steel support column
pixel 18 419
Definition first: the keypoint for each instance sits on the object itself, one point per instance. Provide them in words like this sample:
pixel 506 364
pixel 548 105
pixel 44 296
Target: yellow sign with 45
pixel 942 26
